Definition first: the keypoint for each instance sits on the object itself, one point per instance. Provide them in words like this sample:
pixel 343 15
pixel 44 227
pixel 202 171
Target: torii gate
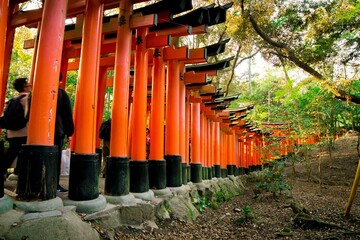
pixel 86 111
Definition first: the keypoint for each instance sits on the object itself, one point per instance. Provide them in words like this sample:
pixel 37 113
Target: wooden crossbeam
pixel 192 77
pixel 172 53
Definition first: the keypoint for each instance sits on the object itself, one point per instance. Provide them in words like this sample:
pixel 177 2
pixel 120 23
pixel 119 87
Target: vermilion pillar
pixel 31 78
pixel 195 165
pixel 231 153
pixel 84 165
pixel 182 127
pixel 236 154
pixel 210 148
pixel 4 8
pixel 223 161
pixel 187 133
pixel 172 153
pixel 139 175
pixel 117 164
pixel 100 102
pixel 64 63
pixel 38 173
pixel 100 109
pixel 202 143
pixel 157 164
pixel 217 150
pixel 242 155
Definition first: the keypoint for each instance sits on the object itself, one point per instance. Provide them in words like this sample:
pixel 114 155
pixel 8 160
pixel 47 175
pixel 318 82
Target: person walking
pixel 17 138
pixel 104 135
pixel 64 127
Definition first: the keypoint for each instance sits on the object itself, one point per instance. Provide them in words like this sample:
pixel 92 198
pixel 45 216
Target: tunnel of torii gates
pixel 194 134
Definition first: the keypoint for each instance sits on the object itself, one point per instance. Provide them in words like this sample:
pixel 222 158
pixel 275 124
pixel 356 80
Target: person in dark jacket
pixel 104 135
pixel 17 137
pixel 64 127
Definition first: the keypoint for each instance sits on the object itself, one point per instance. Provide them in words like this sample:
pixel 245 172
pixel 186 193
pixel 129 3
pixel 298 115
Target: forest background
pixel 297 61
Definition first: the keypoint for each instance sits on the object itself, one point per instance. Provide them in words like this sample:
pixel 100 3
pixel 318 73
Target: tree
pixel 320 37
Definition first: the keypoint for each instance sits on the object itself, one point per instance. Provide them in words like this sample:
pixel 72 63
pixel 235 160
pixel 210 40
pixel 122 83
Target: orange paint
pixel 187 127
pixel 172 108
pixel 195 133
pixel 100 102
pixel 202 138
pixel 47 70
pixel 4 9
pixel 138 150
pixel 85 114
pixel 157 108
pixel 217 143
pixel 182 98
pixel 120 108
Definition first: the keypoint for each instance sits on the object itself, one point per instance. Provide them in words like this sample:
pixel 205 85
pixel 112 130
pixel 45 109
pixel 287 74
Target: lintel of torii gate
pixel 76 7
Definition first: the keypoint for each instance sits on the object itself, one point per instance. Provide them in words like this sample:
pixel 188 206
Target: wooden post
pixel 172 153
pixel 353 191
pixel 4 10
pixel 100 102
pixel 182 125
pixel 157 164
pixel 117 164
pixel 84 165
pixel 139 175
pixel 39 154
pixel 195 165
pixel 217 150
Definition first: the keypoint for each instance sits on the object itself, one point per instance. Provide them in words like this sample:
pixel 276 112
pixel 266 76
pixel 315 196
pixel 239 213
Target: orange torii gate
pixel 277 140
pixel 98 39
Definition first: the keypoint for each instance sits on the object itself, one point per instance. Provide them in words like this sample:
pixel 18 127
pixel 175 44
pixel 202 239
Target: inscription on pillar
pixel 157 53
pixel 139 40
pixel 122 20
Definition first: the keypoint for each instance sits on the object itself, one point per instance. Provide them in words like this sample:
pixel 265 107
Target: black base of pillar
pixel 210 173
pixel 117 176
pixel 253 168
pixel 157 174
pixel 84 177
pixel 139 176
pixel 217 171
pixel 241 170
pixel 188 173
pixel 258 167
pixel 196 172
pixel 236 171
pixel 99 152
pixel 230 169
pixel 2 168
pixel 247 171
pixel 204 173
pixel 184 173
pixel 223 172
pixel 173 170
pixel 37 172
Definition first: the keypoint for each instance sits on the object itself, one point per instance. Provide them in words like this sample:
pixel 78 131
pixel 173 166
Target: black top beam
pixel 210 66
pixel 218 14
pixel 217 48
pixel 174 6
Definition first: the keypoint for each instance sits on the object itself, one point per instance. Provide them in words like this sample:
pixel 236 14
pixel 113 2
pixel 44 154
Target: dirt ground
pixel 263 216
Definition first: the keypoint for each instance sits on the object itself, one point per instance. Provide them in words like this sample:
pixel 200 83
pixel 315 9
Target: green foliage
pixel 247 215
pixel 21 59
pixel 274 179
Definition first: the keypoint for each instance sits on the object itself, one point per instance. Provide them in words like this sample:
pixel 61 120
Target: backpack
pixel 13 118
pixel 105 130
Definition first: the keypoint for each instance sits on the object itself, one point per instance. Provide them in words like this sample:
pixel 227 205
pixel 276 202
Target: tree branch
pixel 289 54
pixel 234 66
